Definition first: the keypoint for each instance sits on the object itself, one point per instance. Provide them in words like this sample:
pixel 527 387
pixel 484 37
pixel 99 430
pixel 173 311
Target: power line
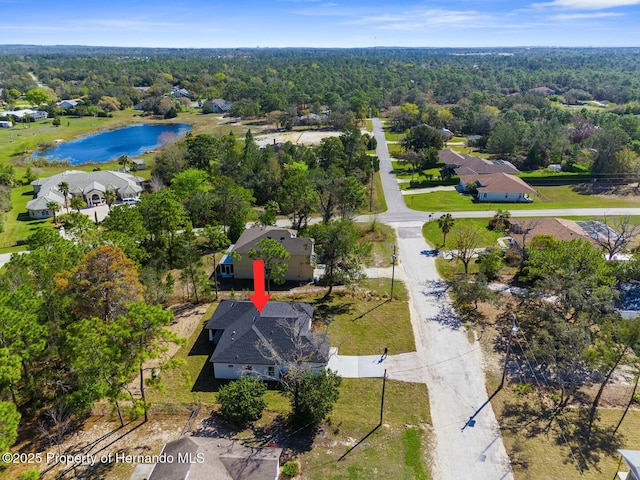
pixel 537 381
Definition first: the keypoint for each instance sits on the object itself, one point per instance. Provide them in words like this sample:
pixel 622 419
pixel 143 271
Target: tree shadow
pixel 327 309
pixel 370 310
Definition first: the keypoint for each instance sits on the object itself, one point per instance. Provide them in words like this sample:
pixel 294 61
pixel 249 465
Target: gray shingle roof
pixel 254 339
pixel 294 245
pixel 216 458
pixel 80 182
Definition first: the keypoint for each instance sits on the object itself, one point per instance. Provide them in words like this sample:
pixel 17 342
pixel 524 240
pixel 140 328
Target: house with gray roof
pixel 301 254
pixel 264 344
pixel 90 186
pixel 70 103
pixel 204 458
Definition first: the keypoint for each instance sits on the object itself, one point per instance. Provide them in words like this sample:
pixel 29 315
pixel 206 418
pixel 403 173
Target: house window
pixel 271 371
pixel 249 368
pixel 230 366
pixel 485 195
pixel 506 195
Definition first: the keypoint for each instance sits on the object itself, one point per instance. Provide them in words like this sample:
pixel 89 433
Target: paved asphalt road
pixel 447 362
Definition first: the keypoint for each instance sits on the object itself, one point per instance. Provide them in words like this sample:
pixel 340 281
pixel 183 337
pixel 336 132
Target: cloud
pixel 420 19
pixel 582 16
pixel 586 4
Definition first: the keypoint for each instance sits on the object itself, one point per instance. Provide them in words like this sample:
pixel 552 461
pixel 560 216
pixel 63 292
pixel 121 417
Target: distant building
pixel 68 104
pixel 218 105
pixel 91 186
pixel 180 92
pixel 21 114
pixel 543 91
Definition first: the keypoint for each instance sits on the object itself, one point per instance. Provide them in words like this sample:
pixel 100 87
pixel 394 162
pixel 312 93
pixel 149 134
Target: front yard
pixel 548 198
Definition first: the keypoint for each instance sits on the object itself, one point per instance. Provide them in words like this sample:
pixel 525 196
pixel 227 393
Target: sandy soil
pixel 306 137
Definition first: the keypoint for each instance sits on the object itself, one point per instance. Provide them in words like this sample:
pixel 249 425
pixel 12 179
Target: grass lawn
pixel 393 450
pixel 18 224
pixel 365 324
pixel 550 197
pixel 379 200
pixel 394 149
pixel 382 238
pixel 432 233
pixel 362 322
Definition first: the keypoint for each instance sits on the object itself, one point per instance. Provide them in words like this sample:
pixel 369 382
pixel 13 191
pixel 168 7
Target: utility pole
pixel 393 268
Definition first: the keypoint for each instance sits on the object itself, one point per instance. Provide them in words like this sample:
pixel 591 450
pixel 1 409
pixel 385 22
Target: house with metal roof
pixel 264 344
pixel 90 186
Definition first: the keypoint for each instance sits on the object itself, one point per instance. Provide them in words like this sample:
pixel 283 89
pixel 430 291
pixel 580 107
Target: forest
pixel 73 333
pixel 531 106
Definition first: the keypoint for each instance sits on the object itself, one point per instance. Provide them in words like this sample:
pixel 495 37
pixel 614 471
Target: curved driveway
pixel 447 362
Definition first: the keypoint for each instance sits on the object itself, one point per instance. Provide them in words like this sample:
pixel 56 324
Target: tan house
pixel 523 230
pixel 497 187
pixel 300 261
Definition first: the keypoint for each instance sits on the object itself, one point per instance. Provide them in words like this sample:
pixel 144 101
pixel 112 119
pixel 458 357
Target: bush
pixel 242 401
pixel 490 263
pixel 291 468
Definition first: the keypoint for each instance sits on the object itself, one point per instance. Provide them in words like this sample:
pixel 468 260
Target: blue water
pixel 132 141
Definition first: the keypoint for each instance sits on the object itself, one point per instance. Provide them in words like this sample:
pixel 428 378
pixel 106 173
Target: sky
pixel 320 23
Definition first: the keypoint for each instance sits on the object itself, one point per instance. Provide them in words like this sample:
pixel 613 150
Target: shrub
pixel 291 468
pixel 242 401
pixel 523 389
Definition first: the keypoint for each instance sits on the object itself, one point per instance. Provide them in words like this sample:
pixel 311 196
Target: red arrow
pixel 260 299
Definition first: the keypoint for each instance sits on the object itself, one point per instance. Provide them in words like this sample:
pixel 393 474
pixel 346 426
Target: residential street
pixel 447 362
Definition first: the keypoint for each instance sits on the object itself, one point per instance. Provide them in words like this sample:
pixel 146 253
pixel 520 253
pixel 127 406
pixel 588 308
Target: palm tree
pixel 124 161
pixel 501 220
pixel 64 188
pixel 110 198
pixel 54 207
pixel 77 203
pixel 445 222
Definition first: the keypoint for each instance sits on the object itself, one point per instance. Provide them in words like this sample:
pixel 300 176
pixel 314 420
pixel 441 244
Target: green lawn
pixel 362 321
pixel 549 198
pixel 365 325
pixel 382 238
pixel 18 225
pixel 394 450
pixel 432 233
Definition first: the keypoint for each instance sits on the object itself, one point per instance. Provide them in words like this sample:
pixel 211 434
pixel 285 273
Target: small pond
pixel 132 141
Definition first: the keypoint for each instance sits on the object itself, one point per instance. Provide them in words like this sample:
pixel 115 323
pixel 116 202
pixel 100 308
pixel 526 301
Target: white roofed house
pixel 90 186
pixel 632 457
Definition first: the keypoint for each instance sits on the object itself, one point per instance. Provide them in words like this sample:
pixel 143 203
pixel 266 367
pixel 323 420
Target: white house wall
pixel 502 197
pixel 227 371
